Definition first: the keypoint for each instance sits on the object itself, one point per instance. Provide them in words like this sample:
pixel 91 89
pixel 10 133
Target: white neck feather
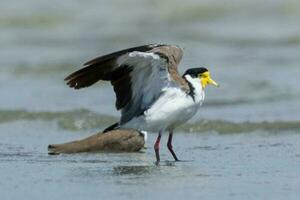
pixel 198 90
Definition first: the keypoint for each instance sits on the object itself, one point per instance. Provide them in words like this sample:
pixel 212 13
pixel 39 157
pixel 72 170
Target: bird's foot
pixel 175 161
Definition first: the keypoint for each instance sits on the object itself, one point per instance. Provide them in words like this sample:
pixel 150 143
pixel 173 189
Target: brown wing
pixel 100 68
pixel 137 74
pixel 174 55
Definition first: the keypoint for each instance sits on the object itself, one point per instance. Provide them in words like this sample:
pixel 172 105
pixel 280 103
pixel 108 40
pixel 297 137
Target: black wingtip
pixel 112 127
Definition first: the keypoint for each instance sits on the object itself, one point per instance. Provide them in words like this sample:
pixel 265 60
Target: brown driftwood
pixel 112 141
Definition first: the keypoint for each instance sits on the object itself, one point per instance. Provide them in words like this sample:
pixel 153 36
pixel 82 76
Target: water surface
pixel 242 144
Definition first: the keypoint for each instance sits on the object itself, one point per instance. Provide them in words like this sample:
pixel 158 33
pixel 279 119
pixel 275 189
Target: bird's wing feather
pixel 147 79
pixel 138 75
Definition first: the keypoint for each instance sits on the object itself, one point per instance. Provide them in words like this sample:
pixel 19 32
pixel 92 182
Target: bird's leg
pixel 170 147
pixel 156 148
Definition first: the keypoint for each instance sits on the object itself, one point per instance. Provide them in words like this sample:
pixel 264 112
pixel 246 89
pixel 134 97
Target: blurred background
pixel 251 47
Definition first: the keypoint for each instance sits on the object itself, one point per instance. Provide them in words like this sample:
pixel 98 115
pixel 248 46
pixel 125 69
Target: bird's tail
pixel 112 127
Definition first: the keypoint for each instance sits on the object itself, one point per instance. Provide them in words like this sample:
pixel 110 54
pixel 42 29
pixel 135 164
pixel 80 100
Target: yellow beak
pixel 211 81
pixel 206 80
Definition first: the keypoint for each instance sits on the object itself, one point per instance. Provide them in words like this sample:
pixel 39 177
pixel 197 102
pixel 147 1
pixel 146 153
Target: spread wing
pixel 138 75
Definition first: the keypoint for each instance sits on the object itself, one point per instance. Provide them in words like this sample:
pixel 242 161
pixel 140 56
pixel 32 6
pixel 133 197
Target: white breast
pixel 173 108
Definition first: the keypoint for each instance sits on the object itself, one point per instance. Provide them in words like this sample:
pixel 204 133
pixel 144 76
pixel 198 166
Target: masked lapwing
pixel 150 93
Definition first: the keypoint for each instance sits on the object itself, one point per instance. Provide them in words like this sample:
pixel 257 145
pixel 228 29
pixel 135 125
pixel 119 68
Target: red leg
pixel 170 147
pixel 156 148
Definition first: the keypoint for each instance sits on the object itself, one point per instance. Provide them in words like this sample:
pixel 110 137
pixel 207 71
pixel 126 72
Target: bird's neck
pixel 196 90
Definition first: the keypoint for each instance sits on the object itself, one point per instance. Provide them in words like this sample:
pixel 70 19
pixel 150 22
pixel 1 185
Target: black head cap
pixel 194 72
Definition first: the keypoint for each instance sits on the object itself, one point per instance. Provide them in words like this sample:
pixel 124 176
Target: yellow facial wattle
pixel 206 80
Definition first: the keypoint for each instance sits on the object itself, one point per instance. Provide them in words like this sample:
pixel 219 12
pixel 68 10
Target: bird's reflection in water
pixel 142 169
pixel 133 170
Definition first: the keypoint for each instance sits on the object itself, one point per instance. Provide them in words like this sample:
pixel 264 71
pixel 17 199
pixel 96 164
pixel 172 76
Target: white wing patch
pixel 148 79
pixel 145 55
pixel 135 57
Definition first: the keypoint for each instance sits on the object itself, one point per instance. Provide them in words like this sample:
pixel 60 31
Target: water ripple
pixel 83 119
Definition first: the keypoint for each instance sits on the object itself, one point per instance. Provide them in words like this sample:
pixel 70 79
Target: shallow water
pixel 243 143
pixel 235 166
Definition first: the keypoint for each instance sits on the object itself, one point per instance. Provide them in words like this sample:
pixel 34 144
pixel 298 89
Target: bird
pixel 150 93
